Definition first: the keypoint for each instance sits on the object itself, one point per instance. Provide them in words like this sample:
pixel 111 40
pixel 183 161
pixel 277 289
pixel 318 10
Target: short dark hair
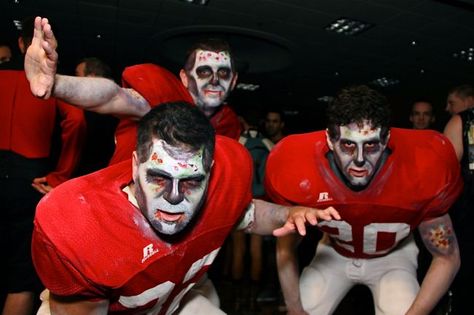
pixel 210 44
pixel 96 66
pixel 464 90
pixel 277 110
pixel 356 104
pixel 178 124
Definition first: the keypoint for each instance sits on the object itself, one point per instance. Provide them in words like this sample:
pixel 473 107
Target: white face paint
pixel 171 186
pixel 212 75
pixel 358 152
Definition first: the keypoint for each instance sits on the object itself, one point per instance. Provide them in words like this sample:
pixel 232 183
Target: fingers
pixel 41 185
pixel 328 214
pixel 286 229
pixel 301 225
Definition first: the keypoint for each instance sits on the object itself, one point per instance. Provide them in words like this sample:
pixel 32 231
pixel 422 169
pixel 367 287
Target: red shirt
pixel 419 181
pixel 157 85
pixel 90 240
pixel 27 123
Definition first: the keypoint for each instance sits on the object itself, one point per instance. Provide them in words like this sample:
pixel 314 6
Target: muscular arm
pixel 288 273
pixel 453 131
pixel 100 95
pixel 268 218
pixel 439 238
pixel 94 94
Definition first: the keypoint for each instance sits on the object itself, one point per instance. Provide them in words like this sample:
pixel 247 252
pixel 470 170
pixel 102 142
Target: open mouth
pixel 167 216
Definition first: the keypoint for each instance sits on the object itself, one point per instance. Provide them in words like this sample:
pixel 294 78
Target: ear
pixel 135 163
pixel 234 81
pixel 184 78
pixel 388 139
pixel 329 142
pixel 411 118
pixel 21 45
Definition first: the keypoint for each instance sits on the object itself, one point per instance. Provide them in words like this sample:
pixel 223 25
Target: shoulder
pixel 231 153
pixel 299 146
pixel 155 83
pixel 427 146
pixel 68 205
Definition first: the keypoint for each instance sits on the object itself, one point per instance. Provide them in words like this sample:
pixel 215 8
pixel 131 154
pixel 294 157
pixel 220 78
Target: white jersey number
pixel 344 236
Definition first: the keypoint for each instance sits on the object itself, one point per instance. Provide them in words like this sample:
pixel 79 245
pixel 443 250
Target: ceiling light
pixel 247 86
pixel 346 26
pixel 465 54
pixel 198 2
pixel 325 99
pixel 385 82
pixel 18 24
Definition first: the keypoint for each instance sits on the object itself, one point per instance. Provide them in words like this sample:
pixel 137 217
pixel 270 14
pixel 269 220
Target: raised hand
pixel 298 217
pixel 41 59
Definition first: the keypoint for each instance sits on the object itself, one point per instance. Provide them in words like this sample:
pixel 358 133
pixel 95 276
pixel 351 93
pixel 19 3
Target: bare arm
pixel 52 304
pixel 94 94
pixel 288 273
pixel 439 238
pixel 453 130
pixel 268 218
pixel 100 95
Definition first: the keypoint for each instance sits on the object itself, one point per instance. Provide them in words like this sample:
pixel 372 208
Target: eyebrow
pixel 159 172
pixel 372 139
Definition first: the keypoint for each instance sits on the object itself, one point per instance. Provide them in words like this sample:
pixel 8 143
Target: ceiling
pixel 281 45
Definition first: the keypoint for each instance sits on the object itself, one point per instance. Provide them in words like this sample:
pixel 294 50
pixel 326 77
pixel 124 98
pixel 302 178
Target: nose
pixel 215 79
pixel 359 159
pixel 172 194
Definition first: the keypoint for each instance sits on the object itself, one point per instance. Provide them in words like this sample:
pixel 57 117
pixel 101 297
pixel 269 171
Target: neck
pixel 207 110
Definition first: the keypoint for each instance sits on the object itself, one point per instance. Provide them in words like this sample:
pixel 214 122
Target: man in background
pixel 422 115
pixel 274 125
pixel 100 143
pixel 207 78
pixel 460 130
pixel 28 170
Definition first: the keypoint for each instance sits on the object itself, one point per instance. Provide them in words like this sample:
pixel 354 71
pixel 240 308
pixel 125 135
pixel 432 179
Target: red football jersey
pixel 157 85
pixel 89 240
pixel 419 180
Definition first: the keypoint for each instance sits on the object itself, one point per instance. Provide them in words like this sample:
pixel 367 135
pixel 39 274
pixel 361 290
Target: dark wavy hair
pixel 178 124
pixel 355 104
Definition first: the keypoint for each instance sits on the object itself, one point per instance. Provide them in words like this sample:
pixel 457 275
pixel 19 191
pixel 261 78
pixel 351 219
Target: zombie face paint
pixel 170 186
pixel 358 152
pixel 211 78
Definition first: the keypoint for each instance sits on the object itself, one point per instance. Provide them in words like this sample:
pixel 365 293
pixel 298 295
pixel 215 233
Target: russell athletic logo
pixel 148 251
pixel 324 196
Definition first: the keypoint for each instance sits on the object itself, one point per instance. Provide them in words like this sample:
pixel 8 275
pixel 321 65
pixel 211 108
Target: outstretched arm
pixel 267 218
pixel 439 238
pixel 95 94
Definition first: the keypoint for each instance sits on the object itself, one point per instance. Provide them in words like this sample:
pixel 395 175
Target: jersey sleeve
pixel 156 84
pixel 56 271
pixel 73 134
pixel 226 123
pixel 445 171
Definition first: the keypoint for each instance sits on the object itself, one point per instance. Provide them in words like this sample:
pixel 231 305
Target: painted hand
pixel 299 216
pixel 41 59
